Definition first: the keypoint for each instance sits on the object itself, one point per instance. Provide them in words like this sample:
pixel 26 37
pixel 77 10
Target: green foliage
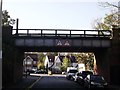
pixel 65 64
pixel 110 20
pixel 6 19
pixel 52 53
pixel 41 59
pixel 86 58
pixel 63 68
pixel 106 23
pixel 100 24
pixel 40 65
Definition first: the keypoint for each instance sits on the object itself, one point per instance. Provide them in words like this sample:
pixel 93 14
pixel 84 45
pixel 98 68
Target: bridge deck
pixel 62 39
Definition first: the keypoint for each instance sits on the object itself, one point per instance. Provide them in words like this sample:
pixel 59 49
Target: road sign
pixel 59 43
pixel 67 43
pixel 62 43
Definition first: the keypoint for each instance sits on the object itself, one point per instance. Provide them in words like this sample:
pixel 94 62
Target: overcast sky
pixel 55 14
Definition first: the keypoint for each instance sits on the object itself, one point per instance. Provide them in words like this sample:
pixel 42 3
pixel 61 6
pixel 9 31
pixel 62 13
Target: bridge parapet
pixel 63 33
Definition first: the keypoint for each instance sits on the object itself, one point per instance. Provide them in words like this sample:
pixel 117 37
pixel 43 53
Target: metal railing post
pixel 70 33
pixel 84 33
pixel 27 31
pixel 55 32
pixel 17 21
pixel 41 32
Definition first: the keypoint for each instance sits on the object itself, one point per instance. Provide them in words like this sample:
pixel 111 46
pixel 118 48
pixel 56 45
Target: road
pixel 55 82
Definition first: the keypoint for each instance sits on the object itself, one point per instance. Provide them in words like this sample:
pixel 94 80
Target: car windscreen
pixel 87 73
pixel 73 71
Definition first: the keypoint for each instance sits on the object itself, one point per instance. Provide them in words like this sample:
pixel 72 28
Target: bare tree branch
pixel 107 4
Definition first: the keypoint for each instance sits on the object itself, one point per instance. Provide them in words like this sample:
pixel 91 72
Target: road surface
pixel 55 82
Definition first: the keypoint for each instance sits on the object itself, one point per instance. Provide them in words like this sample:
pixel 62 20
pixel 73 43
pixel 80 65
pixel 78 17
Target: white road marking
pixel 33 83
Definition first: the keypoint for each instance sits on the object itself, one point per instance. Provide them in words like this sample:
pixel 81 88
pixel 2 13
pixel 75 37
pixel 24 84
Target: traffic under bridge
pixel 42 40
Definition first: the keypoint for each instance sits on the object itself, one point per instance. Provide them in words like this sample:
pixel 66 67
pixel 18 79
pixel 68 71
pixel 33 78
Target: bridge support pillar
pixel 12 65
pixel 108 60
pixel 108 63
pixel 102 64
pixel 12 59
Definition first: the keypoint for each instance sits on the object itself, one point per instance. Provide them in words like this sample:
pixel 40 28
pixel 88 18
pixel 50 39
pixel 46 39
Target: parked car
pixel 80 76
pixel 54 71
pixel 85 73
pixel 40 71
pixel 95 81
pixel 31 71
pixel 71 73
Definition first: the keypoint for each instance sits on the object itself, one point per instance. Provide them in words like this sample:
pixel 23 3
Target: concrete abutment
pixel 108 60
pixel 12 61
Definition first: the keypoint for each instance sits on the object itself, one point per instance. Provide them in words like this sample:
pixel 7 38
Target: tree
pixel 41 59
pixel 65 63
pixel 107 4
pixel 86 58
pixel 107 22
pixel 6 19
pixel 110 20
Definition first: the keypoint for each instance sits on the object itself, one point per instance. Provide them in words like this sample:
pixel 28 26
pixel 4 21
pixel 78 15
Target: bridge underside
pixel 59 49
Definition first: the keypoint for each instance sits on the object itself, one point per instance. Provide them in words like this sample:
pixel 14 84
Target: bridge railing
pixel 62 33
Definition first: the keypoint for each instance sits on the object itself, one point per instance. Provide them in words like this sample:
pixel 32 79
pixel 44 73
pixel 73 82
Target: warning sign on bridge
pixel 66 43
pixel 62 42
pixel 59 43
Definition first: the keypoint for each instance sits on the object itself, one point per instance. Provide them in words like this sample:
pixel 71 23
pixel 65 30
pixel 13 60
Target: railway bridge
pixel 105 44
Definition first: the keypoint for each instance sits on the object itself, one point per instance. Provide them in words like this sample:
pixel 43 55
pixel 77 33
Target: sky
pixel 55 14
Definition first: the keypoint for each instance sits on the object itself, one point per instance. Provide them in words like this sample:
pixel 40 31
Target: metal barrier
pixel 62 33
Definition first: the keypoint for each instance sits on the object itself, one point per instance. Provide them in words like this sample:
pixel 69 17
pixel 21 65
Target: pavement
pixel 114 87
pixel 26 83
pixel 23 84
